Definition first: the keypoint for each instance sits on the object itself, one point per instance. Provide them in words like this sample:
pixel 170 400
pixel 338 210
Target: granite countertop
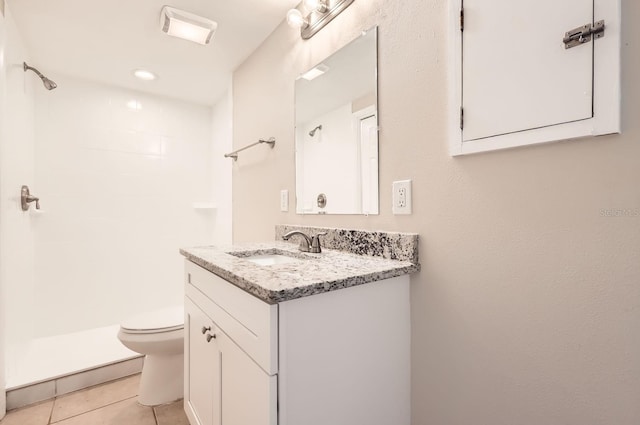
pixel 313 274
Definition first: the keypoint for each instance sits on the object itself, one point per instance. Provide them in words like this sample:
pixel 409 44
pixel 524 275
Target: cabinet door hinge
pixel 461 118
pixel 461 19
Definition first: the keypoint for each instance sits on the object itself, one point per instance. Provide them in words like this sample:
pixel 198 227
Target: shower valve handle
pixel 26 198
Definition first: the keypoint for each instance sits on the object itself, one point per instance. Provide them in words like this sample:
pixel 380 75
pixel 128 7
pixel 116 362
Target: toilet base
pixel 162 379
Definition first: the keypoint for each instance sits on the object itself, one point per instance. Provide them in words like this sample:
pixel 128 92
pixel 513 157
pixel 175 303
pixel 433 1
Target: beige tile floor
pixel 113 403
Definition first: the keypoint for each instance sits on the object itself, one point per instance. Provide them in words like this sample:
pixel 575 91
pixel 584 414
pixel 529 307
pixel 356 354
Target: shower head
pixel 313 132
pixel 48 84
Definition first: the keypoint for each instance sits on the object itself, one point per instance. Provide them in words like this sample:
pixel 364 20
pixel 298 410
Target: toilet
pixel 159 335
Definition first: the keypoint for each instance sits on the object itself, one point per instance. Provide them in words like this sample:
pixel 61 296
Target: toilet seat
pixel 165 320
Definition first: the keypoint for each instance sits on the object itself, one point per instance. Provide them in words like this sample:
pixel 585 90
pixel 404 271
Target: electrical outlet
pixel 401 197
pixel 284 200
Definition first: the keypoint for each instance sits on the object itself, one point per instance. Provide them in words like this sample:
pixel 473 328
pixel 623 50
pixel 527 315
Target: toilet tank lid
pixel 171 317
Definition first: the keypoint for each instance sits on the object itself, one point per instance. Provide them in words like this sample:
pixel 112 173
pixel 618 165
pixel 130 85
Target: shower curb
pixel 35 392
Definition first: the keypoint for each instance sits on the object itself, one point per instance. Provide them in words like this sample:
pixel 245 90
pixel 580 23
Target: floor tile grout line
pixel 55 398
pixel 53 404
pixel 155 417
pixel 91 410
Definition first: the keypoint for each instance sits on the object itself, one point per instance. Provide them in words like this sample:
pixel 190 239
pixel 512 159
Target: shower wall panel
pixel 16 169
pixel 117 173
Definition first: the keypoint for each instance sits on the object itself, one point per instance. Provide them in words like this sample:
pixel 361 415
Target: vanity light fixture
pixel 321 12
pixel 186 25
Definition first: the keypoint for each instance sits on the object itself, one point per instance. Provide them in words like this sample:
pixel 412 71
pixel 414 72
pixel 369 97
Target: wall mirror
pixel 336 132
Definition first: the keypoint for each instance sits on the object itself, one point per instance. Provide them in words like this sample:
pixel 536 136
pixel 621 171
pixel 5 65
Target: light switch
pixel 284 200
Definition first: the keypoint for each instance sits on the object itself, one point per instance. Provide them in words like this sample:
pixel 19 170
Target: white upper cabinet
pixel 518 80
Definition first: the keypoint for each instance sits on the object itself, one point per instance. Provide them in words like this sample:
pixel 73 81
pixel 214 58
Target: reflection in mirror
pixel 337 132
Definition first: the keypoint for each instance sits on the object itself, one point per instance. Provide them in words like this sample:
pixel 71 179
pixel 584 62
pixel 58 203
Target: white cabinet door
pixel 249 394
pixel 223 385
pixel 516 83
pixel 517 74
pixel 202 368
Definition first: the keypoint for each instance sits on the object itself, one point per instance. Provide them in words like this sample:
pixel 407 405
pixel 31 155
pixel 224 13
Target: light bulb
pixel 295 19
pixel 319 5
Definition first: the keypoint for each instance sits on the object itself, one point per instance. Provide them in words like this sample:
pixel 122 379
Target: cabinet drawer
pixel 251 323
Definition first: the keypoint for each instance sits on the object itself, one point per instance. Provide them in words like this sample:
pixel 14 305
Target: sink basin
pixel 271 259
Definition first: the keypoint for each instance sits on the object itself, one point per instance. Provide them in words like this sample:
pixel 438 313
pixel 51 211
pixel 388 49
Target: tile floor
pixel 113 403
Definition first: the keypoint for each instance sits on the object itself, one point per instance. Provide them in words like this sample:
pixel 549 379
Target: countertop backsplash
pixel 389 245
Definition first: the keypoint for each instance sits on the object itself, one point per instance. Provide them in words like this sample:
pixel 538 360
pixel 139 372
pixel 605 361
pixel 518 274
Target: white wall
pixel 117 188
pixel 16 169
pixel 527 308
pixel 221 122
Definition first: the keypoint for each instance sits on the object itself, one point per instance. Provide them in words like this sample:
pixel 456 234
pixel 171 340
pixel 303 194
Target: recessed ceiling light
pixel 143 74
pixel 186 25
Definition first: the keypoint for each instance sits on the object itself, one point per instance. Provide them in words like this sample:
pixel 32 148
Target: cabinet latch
pixel 581 35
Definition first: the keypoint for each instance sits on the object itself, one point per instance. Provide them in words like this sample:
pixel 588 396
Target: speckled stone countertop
pixel 312 274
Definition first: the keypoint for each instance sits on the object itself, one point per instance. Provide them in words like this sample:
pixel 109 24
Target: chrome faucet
pixel 307 244
pixel 26 198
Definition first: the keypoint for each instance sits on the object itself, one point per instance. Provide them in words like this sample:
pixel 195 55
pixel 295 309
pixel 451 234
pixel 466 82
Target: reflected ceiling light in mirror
pixel 315 72
pixel 322 12
pixel 145 75
pixel 186 25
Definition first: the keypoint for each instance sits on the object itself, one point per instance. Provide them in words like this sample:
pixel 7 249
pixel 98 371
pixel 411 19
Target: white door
pixel 369 163
pixel 517 73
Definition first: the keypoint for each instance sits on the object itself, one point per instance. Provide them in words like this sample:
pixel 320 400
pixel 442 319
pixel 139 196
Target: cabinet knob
pixel 205 329
pixel 210 337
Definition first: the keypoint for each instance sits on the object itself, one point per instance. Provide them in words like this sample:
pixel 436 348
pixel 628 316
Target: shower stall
pixel 116 188
pixel 123 180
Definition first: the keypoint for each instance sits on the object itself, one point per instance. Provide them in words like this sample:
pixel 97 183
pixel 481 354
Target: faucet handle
pixel 315 243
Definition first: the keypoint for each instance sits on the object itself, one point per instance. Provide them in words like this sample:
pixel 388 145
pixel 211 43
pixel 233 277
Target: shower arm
pixel 27 68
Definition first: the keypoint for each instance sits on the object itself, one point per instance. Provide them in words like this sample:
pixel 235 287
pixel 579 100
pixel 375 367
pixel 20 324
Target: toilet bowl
pixel 159 335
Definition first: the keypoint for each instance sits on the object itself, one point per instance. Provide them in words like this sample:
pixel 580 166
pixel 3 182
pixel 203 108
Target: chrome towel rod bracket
pixel 271 141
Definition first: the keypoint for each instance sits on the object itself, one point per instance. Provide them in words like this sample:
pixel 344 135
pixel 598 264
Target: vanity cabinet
pixel 223 384
pixel 339 357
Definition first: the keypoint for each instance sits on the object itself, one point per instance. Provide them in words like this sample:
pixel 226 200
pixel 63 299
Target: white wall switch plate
pixel 284 200
pixel 401 197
